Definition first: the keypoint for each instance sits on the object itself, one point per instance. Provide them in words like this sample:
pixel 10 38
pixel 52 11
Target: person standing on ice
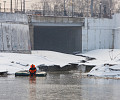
pixel 32 70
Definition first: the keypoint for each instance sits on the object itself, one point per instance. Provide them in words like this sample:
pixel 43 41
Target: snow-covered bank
pixel 13 62
pixel 107 62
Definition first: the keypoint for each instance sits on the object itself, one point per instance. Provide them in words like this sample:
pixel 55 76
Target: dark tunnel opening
pixel 65 39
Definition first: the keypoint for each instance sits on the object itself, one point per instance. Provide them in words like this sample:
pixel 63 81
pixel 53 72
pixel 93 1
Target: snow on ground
pixel 107 62
pixel 103 56
pixel 58 58
pixel 13 62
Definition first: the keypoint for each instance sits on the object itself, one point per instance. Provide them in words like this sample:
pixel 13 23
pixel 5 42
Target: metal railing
pixel 54 13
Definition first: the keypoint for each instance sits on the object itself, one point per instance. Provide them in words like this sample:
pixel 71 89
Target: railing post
pixel 11 6
pixel 4 5
pixel 0 7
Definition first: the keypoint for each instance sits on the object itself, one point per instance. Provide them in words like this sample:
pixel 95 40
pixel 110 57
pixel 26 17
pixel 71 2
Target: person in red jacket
pixel 32 70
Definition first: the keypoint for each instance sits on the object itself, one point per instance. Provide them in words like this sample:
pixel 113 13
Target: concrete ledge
pixel 53 19
pixel 56 24
pixel 16 51
pixel 14 18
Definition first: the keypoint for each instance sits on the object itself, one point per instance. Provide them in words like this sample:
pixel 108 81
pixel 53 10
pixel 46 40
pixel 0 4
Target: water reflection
pixel 58 86
pixel 32 88
pixel 32 80
pixel 63 79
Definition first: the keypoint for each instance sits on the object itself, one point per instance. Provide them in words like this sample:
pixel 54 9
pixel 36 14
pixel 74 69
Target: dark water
pixel 68 86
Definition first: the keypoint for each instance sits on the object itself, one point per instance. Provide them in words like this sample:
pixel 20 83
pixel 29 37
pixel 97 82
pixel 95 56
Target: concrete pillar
pixel 31 32
pixel 113 34
pixel 91 8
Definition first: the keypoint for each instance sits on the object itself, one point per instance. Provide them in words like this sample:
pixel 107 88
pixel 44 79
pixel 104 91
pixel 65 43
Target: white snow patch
pixel 107 62
pixel 13 62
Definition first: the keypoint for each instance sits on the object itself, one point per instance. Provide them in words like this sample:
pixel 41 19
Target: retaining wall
pixel 14 33
pixel 101 33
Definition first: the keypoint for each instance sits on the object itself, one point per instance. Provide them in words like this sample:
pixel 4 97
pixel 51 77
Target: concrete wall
pixel 55 20
pixel 13 18
pixel 31 32
pixel 14 33
pixel 116 35
pixel 101 33
pixel 62 34
pixel 97 34
pixel 116 31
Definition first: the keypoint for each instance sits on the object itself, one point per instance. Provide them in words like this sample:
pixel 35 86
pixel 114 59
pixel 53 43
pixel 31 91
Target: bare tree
pixel 78 7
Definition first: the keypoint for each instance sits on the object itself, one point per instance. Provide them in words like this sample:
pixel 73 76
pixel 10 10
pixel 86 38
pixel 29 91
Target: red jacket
pixel 32 69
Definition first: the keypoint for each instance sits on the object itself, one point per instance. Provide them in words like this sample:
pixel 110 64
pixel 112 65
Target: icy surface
pixel 107 62
pixel 13 62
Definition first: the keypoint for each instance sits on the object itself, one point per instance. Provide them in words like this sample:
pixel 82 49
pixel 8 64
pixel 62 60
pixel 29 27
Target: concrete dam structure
pixel 14 33
pixel 71 34
pixel 20 33
pixel 101 33
pixel 61 34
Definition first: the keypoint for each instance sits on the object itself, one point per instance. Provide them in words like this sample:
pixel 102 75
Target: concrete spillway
pixel 14 33
pixel 61 34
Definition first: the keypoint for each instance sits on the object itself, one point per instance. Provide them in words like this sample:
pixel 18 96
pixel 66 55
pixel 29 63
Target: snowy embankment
pixel 13 62
pixel 107 63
